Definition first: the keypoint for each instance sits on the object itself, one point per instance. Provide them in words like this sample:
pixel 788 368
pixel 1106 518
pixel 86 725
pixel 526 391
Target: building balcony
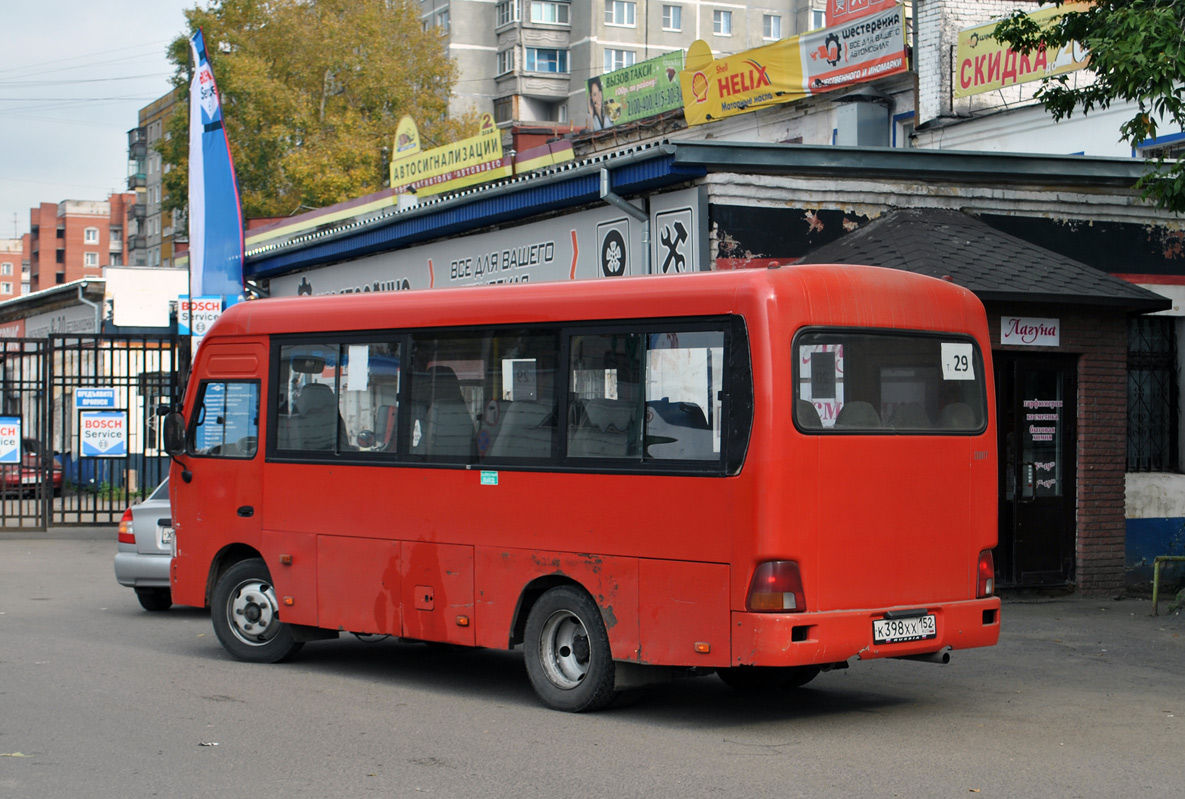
pixel 137 211
pixel 137 243
pixel 137 180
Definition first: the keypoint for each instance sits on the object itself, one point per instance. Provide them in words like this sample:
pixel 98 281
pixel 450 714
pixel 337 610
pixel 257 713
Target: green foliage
pixel 312 91
pixel 1137 51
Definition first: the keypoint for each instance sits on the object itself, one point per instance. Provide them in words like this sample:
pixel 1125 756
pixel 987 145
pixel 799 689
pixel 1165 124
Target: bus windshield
pixel 882 382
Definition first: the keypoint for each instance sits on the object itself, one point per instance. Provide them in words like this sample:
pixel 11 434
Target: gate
pixel 90 435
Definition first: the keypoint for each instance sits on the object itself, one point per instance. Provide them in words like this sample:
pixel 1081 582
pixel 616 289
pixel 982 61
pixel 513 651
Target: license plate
pixel 918 628
pixel 166 536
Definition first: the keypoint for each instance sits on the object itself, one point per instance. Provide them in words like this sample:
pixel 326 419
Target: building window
pixel 1152 422
pixel 5 287
pixel 6 268
pixel 442 22
pixel 722 23
pixel 546 59
pixel 672 18
pixel 620 12
pixel 90 259
pixel 619 59
pixel 503 109
pixel 505 61
pixel 818 20
pixel 771 26
pixel 91 235
pixel 548 12
pixel 506 12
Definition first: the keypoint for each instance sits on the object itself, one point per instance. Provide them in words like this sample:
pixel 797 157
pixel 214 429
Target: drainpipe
pixel 95 305
pixel 613 199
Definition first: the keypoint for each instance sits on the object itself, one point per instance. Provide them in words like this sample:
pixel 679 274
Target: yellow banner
pixel 983 64
pixel 465 163
pixel 753 79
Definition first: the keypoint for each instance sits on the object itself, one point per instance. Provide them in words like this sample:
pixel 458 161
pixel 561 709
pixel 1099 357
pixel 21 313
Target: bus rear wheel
pixel 567 652
pixel 765 678
pixel 246 616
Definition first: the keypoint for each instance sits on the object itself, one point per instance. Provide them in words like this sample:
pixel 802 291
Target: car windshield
pixel 162 491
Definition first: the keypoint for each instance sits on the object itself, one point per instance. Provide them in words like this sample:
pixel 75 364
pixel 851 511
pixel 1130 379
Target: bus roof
pixel 819 294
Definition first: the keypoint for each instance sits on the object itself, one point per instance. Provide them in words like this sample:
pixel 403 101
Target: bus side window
pixel 684 383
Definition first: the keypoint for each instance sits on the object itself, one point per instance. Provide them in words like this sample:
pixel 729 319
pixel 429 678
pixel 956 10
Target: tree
pixel 1137 52
pixel 312 91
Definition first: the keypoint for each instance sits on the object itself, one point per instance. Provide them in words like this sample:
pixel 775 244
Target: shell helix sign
pixel 104 434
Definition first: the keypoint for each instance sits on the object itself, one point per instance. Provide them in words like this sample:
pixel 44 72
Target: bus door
pixel 228 459
pixel 1036 425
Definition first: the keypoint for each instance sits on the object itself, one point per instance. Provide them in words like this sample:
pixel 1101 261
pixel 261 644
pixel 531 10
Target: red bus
pixel 763 474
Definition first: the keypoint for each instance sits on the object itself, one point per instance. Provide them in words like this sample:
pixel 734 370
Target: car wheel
pixel 567 652
pixel 765 678
pixel 246 615
pixel 155 599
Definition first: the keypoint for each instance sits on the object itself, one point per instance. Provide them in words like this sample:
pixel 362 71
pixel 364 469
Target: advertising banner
pixel 855 52
pixel 840 12
pixel 594 244
pixel 715 89
pixel 637 92
pixel 104 434
pixel 791 69
pixel 478 159
pixel 983 64
pixel 215 216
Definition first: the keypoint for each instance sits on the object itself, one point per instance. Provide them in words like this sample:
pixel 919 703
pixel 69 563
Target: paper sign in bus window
pixel 958 362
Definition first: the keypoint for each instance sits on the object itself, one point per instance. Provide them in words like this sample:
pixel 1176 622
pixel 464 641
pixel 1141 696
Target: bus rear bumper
pixel 795 639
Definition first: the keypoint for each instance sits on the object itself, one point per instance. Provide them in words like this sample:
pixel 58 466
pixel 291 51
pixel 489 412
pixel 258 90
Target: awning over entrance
pixel 996 266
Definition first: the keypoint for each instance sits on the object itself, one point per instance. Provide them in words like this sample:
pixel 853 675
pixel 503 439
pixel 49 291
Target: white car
pixel 145 549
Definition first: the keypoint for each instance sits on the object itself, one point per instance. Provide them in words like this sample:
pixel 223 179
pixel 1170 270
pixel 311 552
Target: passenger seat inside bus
pixel 604 430
pixel 808 414
pixel 527 430
pixel 316 417
pixel 447 426
pixel 857 414
pixel 958 415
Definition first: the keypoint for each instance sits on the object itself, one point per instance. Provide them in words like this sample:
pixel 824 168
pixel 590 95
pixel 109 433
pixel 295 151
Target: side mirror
pixel 175 434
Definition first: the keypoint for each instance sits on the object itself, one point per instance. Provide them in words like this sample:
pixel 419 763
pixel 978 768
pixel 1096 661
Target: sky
pixel 74 75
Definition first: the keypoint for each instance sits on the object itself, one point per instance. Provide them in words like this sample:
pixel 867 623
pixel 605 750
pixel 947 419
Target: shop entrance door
pixel 1035 398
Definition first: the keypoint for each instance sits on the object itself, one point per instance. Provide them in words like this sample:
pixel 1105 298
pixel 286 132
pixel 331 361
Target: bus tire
pixel 754 679
pixel 567 652
pixel 246 615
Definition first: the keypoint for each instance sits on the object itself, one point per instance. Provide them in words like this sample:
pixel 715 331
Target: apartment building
pixel 75 239
pixel 527 61
pixel 11 255
pixel 151 237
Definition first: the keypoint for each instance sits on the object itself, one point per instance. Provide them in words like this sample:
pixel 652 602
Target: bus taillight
pixel 777 587
pixel 987 575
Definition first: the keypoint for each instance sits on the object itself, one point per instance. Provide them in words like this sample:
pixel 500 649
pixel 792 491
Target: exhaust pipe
pixel 942 657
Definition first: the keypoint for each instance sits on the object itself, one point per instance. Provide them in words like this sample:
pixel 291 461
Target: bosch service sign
pixel 104 434
pixel 196 314
pixel 10 439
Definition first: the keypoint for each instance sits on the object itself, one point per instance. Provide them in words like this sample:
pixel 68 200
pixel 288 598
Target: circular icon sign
pixel 613 254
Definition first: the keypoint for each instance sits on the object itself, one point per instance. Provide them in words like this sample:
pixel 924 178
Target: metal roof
pixel 647 167
pixel 996 266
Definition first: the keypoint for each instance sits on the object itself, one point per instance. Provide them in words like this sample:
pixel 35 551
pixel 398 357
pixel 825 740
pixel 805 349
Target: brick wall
pixel 1099 339
pixel 939 23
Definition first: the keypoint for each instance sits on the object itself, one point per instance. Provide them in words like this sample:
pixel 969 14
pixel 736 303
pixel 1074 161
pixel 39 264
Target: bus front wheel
pixel 766 678
pixel 567 652
pixel 246 615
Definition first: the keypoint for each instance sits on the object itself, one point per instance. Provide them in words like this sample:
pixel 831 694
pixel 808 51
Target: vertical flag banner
pixel 215 218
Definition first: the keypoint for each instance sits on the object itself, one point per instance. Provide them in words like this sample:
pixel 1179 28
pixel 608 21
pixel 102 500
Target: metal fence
pixel 90 434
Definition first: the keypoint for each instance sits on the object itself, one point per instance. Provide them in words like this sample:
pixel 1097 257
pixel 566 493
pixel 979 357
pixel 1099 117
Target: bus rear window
pixel 888 382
